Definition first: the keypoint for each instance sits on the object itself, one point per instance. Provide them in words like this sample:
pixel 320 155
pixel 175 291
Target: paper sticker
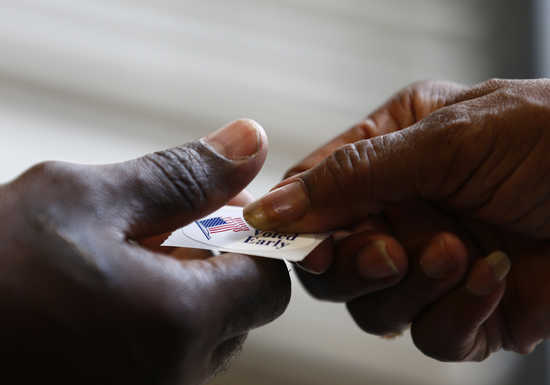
pixel 226 230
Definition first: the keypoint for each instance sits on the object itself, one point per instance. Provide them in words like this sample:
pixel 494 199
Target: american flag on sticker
pixel 221 224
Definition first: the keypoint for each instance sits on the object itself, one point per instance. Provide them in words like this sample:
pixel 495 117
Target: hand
pixel 83 302
pixel 456 173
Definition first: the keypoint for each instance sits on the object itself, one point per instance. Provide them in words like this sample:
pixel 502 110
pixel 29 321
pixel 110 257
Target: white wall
pixel 105 80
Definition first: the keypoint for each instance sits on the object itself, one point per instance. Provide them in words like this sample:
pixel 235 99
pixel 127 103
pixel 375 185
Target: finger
pixel 242 199
pixel 183 253
pixel 364 262
pixel 391 311
pixel 438 261
pixel 363 178
pixel 479 90
pixel 219 297
pixel 322 257
pixel 375 125
pixel 202 305
pixel 168 189
pixel 405 108
pixel 154 243
pixel 455 329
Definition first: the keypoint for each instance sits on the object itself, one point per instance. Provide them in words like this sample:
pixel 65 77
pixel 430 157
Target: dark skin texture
pixel 84 302
pixel 443 175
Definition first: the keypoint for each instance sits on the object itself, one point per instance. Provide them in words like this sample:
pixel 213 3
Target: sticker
pixel 226 230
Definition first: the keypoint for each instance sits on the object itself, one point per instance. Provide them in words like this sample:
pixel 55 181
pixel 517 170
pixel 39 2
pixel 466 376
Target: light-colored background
pixel 106 80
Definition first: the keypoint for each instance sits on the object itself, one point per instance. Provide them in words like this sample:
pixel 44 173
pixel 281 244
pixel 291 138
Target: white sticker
pixel 226 230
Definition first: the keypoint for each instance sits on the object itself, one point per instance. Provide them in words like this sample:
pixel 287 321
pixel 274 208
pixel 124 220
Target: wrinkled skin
pixel 84 302
pixel 443 175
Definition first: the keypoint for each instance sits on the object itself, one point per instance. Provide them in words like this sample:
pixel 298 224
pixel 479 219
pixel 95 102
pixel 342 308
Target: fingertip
pixel 279 207
pixel 239 140
pixel 382 259
pixel 242 199
pixel 320 259
pixel 489 274
pixel 444 256
pixel 266 281
pixel 168 189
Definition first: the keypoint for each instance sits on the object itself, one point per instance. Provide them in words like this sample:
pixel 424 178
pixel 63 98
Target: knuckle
pixel 428 87
pixel 514 95
pixel 452 119
pixel 495 83
pixel 420 99
pixel 422 84
pixel 533 95
pixel 295 170
pixel 52 190
pixel 65 177
pixel 543 85
pixel 181 172
pixel 420 89
pixel 445 129
pixel 49 170
pixel 348 165
pixel 430 95
pixel 366 128
pixel 426 92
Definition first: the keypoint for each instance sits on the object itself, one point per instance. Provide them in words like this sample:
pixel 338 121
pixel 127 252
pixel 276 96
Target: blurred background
pixel 98 81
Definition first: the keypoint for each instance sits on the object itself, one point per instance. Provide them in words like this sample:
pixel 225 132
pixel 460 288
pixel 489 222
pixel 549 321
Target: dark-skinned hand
pixel 440 202
pixel 83 301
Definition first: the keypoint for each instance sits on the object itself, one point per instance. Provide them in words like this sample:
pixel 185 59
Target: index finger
pixel 404 109
pixel 374 125
pixel 154 243
pixel 221 297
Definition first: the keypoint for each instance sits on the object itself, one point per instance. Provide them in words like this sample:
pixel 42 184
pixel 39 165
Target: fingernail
pixel 531 348
pixel 238 140
pixel 500 264
pixel 308 269
pixel 280 206
pixel 392 335
pixel 489 274
pixel 320 259
pixel 375 262
pixel 340 235
pixel 440 260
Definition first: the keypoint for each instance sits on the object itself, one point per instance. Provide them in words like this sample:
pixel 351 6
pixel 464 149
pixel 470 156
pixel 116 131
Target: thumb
pixel 168 189
pixel 430 159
